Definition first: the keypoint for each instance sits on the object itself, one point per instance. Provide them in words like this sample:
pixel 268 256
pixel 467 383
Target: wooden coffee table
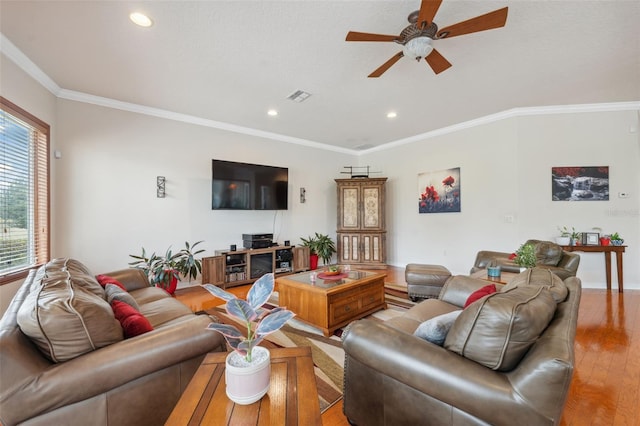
pixel 292 398
pixel 332 303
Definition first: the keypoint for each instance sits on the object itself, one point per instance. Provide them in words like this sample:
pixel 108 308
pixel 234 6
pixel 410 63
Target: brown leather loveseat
pixel 549 255
pixel 75 366
pixel 507 358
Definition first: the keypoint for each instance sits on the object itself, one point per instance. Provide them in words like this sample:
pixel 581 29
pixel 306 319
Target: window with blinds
pixel 24 191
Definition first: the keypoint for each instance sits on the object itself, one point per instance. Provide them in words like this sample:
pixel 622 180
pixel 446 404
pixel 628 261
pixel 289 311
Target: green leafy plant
pixel 161 270
pixel 322 245
pixel 525 256
pixel 615 237
pixel 258 321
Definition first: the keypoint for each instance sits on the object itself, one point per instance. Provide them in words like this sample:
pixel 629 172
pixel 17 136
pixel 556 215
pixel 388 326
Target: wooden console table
pixel 618 250
pixel 291 400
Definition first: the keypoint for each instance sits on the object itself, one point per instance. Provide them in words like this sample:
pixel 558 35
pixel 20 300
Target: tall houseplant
pixel 165 271
pixel 247 373
pixel 322 246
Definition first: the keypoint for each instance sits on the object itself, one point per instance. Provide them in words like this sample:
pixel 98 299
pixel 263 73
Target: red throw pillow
pixel 480 293
pixel 106 279
pixel 133 322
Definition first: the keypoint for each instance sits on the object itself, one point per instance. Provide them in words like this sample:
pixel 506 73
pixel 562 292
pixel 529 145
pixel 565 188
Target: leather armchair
pixel 565 267
pixel 395 378
pixel 135 381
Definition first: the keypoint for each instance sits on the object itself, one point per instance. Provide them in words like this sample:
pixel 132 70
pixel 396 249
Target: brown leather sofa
pixel 393 377
pixel 549 255
pixel 133 381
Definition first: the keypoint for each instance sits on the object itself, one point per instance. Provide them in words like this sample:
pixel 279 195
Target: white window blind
pixel 24 191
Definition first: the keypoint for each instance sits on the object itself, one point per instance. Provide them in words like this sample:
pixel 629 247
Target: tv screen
pixel 243 186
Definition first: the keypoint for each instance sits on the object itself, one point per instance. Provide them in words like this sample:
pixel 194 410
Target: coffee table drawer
pixel 343 310
pixel 371 298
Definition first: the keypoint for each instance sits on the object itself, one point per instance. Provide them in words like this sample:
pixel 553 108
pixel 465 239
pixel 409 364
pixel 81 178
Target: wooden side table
pixel 292 398
pixel 618 250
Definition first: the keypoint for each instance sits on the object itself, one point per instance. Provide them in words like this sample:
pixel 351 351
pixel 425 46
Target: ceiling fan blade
pixel 356 36
pixel 488 21
pixel 428 10
pixel 437 62
pixel 395 58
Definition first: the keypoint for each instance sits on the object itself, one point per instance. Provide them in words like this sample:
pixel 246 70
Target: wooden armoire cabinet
pixel 361 222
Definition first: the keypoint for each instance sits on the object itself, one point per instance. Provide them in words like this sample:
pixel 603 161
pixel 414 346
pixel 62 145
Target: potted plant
pixel 248 367
pixel 313 255
pixel 565 236
pixel 320 246
pixel 325 247
pixel 165 271
pixel 616 240
pixel 525 256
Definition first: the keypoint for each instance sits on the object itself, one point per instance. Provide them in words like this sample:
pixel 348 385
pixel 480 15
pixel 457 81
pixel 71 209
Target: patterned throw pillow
pixel 113 292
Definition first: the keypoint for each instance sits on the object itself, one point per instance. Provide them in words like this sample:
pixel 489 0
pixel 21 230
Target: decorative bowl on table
pixel 331 270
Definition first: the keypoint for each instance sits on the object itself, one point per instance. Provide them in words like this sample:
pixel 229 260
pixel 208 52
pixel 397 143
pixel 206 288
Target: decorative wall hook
pixel 160 181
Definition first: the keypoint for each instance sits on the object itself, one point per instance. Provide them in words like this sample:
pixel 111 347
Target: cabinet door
pixel 349 248
pixel 372 248
pixel 213 270
pixel 372 202
pixel 301 260
pixel 349 207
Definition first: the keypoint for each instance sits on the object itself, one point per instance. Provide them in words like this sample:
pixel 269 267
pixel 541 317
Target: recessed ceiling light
pixel 272 112
pixel 392 114
pixel 141 19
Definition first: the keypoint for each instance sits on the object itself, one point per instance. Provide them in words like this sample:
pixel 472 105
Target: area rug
pixel 327 353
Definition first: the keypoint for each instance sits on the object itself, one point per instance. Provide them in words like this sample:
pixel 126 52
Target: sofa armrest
pixel 458 288
pixel 484 257
pixel 99 371
pixel 131 278
pixel 569 262
pixel 376 349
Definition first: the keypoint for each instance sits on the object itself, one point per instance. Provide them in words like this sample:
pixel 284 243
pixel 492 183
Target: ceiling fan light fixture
pixel 418 47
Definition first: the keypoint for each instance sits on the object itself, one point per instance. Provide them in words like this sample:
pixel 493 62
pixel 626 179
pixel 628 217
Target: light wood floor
pixel 606 383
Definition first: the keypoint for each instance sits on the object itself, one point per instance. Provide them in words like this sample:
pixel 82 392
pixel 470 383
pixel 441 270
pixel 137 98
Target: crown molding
pixel 190 119
pixel 511 113
pixel 20 59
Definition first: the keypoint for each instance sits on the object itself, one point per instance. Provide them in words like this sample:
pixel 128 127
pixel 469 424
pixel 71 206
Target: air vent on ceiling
pixel 299 96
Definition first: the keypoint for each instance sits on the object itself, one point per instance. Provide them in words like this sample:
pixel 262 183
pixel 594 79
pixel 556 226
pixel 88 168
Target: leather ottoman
pixel 425 281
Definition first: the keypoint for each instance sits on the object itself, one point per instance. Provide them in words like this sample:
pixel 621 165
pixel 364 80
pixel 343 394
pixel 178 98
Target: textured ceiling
pixel 231 61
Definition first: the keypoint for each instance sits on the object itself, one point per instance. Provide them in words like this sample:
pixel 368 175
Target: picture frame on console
pixel 590 238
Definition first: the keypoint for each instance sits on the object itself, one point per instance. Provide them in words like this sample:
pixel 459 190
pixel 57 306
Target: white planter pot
pixel 563 241
pixel 248 382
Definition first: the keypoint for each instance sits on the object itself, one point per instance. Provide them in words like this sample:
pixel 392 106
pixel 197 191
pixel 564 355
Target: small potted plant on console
pixel 616 239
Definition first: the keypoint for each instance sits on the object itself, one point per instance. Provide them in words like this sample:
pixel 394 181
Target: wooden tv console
pixel 233 268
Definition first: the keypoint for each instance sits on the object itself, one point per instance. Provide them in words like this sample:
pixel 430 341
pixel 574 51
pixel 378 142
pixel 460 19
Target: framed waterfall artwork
pixel 439 191
pixel 580 183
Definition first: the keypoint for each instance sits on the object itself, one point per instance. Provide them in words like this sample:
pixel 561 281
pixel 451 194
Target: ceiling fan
pixel 418 37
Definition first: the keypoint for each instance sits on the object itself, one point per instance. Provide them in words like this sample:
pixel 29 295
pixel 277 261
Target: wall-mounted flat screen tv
pixel 243 186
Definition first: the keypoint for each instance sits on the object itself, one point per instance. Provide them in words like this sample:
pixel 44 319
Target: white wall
pixel 106 185
pixel 506 171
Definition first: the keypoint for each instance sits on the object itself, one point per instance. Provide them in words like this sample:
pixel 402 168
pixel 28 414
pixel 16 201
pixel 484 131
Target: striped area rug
pixel 327 353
